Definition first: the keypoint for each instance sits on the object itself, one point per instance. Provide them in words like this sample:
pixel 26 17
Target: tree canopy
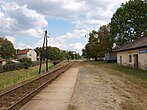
pixel 129 22
pixel 99 43
pixel 6 49
pixel 54 53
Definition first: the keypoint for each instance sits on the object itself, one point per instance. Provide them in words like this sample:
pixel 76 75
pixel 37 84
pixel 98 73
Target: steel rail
pixel 17 97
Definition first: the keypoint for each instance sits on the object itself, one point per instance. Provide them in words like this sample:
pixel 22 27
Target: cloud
pixel 10 38
pixel 20 20
pixel 22 45
pixel 62 41
pixel 1 14
pixel 54 42
pixel 77 46
pixel 29 18
pixel 76 34
pixel 64 9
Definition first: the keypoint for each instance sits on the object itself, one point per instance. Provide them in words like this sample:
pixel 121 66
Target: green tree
pixel 104 40
pixel 54 53
pixel 26 62
pixel 99 43
pixel 7 50
pixel 65 55
pixel 129 22
pixel 84 54
pixel 92 47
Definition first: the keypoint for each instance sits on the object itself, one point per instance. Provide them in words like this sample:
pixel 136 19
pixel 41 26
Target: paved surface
pixel 93 92
pixel 57 95
pixel 100 88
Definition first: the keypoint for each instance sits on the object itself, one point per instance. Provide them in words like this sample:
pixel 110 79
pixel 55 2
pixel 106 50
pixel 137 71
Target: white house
pixel 27 53
pixel 133 54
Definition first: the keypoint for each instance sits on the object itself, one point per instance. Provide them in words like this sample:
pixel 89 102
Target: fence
pixel 15 66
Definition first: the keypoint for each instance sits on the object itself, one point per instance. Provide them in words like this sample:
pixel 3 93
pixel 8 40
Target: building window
pixel 130 58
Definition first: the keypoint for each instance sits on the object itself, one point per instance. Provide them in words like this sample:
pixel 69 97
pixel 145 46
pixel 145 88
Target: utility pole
pixel 46 52
pixel 46 57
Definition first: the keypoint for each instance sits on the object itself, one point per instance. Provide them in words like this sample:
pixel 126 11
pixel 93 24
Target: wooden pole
pixel 41 55
pixel 46 52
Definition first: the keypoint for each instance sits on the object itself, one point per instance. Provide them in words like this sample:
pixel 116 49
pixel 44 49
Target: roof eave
pixel 132 48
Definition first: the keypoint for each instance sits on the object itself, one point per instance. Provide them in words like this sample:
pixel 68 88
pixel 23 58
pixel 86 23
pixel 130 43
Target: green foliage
pixel 73 55
pixel 7 50
pixel 142 74
pixel 54 53
pixel 99 43
pixel 9 62
pixel 26 62
pixel 64 55
pixel 129 22
pixel 1 68
pixel 91 47
pixel 122 70
pixel 13 77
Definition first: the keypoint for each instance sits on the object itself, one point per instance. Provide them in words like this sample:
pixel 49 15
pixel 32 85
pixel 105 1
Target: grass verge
pixel 12 77
pixel 122 70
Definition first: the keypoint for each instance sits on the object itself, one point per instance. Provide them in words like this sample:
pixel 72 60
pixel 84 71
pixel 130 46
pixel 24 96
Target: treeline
pixel 128 23
pixel 8 52
pixel 54 53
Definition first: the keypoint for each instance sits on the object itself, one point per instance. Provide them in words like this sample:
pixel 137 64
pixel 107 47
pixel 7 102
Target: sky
pixel 23 22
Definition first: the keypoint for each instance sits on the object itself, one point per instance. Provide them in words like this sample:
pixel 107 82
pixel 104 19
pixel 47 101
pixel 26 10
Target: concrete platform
pixel 57 95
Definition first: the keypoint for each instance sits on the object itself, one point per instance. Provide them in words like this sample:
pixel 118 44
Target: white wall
pixel 142 58
pixel 22 56
pixel 32 54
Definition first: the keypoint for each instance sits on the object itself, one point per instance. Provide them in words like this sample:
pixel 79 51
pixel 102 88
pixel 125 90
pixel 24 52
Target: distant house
pixel 110 57
pixel 2 61
pixel 133 54
pixel 27 53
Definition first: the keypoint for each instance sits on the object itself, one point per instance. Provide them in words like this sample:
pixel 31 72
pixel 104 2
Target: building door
pixel 136 61
pixel 120 60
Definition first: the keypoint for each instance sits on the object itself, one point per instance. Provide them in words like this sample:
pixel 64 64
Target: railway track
pixel 17 97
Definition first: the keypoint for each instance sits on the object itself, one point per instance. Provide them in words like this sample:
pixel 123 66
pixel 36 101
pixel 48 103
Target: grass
pixel 17 76
pixel 123 70
pixel 129 105
pixel 71 107
pixel 136 84
pixel 142 74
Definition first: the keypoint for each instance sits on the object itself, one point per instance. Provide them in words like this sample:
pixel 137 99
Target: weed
pixel 71 107
pixel 129 105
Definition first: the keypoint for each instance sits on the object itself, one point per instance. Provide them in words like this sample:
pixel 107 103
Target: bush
pixel 26 62
pixel 35 63
pixel 1 68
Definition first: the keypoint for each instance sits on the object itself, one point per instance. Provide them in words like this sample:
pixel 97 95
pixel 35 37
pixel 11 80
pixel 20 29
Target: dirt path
pixel 97 89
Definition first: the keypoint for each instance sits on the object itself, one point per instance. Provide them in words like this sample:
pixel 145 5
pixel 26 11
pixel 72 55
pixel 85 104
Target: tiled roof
pixel 139 43
pixel 21 52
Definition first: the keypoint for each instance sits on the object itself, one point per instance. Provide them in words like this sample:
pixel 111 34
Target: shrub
pixel 1 68
pixel 26 62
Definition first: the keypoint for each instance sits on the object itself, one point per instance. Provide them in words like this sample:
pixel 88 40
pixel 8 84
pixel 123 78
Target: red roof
pixel 21 52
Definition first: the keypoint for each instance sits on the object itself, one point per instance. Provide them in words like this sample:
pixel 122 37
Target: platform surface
pixel 57 95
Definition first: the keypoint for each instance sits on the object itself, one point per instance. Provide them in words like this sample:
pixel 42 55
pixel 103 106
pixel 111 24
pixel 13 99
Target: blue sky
pixel 67 21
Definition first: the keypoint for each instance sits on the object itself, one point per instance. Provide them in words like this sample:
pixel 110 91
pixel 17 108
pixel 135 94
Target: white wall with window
pixel 131 57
